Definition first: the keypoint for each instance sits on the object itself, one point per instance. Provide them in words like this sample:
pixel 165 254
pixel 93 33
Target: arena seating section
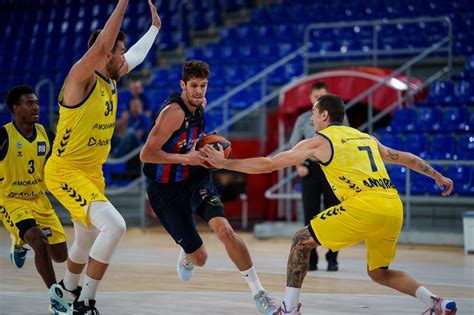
pixel 42 39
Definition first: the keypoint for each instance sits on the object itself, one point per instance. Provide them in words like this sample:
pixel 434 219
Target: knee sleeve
pixel 111 226
pixel 84 238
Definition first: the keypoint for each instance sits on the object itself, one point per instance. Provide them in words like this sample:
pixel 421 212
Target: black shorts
pixel 175 204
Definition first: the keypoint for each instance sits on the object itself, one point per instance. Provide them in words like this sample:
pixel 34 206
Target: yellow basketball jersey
pixel 22 168
pixel 84 131
pixel 356 164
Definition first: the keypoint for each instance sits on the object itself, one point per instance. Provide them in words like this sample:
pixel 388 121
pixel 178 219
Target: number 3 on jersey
pixel 31 163
pixel 109 108
pixel 371 157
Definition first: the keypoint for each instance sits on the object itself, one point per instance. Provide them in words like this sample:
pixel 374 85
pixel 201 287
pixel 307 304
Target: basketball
pixel 214 140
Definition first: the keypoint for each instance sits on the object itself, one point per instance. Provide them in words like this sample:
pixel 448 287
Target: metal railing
pixel 260 78
pixel 443 45
pixel 50 84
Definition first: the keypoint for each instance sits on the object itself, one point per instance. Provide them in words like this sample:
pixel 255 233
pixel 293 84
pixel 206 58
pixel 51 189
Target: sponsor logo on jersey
pixel 104 126
pixel 27 182
pixel 98 142
pixel 384 183
pixel 41 148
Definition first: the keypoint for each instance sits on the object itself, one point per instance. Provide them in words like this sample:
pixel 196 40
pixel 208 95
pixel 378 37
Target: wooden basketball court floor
pixel 142 279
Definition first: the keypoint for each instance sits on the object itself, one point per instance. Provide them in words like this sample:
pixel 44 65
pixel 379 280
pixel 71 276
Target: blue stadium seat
pixel 196 21
pixel 392 140
pixel 233 76
pixel 421 184
pixel 455 119
pixel 465 148
pixel 217 78
pixel 267 53
pixel 462 178
pixel 249 54
pixel 404 120
pixel 294 69
pixel 261 16
pixel 265 33
pixel 160 78
pixel 212 52
pixel 442 147
pixel 229 36
pixel 417 144
pixel 469 67
pixel 425 185
pixel 397 175
pixel 213 18
pixel 240 100
pixel 429 119
pixel 247 33
pixel 464 92
pixel 194 53
pixel 213 118
pixel 230 54
pixel 441 92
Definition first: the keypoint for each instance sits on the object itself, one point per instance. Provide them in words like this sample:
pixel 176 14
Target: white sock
pixel 292 295
pixel 71 280
pixel 424 295
pixel 89 289
pixel 251 277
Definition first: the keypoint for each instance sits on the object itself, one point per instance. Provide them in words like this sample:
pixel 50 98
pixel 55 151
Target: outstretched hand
pixel 155 18
pixel 212 156
pixel 446 183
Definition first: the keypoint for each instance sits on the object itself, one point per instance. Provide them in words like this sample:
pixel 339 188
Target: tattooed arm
pixel 417 164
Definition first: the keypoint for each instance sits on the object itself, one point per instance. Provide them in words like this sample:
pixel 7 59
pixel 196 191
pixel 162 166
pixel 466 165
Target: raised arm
pixel 313 148
pixel 84 69
pixel 137 53
pixel 417 164
pixel 167 122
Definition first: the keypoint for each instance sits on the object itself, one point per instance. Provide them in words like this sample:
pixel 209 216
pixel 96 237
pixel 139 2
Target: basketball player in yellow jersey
pixel 27 213
pixel 370 208
pixel 88 103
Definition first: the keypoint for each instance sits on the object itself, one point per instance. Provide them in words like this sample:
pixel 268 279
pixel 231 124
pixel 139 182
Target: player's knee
pixel 59 252
pixel 36 239
pixel 226 234
pixel 118 228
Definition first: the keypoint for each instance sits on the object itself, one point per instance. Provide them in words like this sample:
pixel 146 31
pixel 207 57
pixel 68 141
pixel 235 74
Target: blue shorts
pixel 176 203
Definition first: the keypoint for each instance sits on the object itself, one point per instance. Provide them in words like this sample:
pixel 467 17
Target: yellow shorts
pixel 75 188
pixel 375 219
pixel 16 210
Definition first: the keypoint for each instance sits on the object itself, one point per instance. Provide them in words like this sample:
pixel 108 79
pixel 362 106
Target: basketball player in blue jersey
pixel 27 214
pixel 179 186
pixel 370 208
pixel 87 113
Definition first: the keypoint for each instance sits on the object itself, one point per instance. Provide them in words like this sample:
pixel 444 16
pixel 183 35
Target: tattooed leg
pixel 298 260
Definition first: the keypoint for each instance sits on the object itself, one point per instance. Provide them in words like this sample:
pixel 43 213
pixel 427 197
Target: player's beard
pixel 114 71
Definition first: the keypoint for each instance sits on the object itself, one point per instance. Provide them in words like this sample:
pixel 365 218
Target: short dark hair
pixel 319 86
pixel 334 105
pixel 14 95
pixel 120 37
pixel 195 69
